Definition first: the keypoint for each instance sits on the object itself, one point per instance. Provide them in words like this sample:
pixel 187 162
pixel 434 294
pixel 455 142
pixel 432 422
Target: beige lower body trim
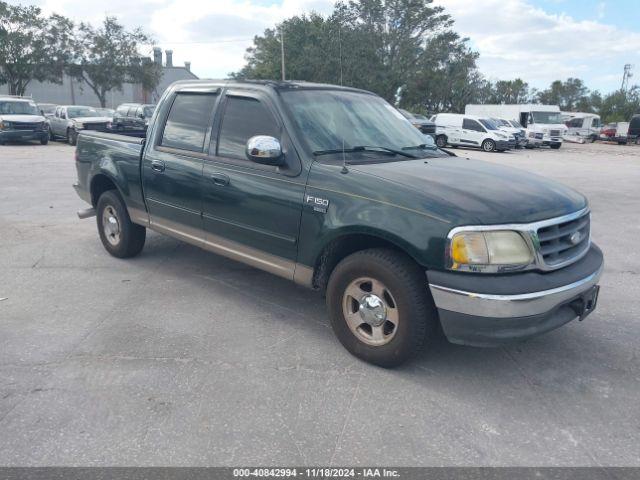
pixel 279 266
pixel 138 216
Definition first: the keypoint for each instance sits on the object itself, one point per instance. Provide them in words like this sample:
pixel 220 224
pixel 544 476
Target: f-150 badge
pixel 318 204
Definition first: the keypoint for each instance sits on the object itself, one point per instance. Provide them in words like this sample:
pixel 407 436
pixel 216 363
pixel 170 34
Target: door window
pixel 243 119
pixel 469 124
pixel 188 121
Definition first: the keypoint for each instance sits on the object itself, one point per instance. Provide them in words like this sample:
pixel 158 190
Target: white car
pixel 471 131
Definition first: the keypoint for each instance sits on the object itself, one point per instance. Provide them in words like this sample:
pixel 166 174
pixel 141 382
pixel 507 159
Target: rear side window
pixel 243 119
pixel 188 121
pixel 122 110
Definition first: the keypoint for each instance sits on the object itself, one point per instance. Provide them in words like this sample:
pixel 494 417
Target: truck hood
pixel 23 118
pixel 474 191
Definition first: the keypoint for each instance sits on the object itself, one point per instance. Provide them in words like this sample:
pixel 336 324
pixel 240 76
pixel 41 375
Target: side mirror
pixel 265 150
pixel 141 115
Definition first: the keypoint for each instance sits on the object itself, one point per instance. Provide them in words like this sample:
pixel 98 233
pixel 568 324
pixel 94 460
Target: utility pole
pixel 282 51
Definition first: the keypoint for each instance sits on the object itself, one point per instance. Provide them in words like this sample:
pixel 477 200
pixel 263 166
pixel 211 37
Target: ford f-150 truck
pixel 334 189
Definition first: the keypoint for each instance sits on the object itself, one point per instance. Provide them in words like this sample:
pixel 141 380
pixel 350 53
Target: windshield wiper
pixel 365 148
pixel 422 146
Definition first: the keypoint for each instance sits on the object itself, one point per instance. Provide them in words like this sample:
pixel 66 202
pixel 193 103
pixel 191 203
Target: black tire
pixel 72 137
pixel 555 146
pixel 52 137
pixel 44 140
pixel 441 141
pixel 130 239
pixel 489 145
pixel 593 138
pixel 405 282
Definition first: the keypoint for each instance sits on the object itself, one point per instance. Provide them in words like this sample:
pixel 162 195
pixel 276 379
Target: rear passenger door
pixel 250 208
pixel 172 166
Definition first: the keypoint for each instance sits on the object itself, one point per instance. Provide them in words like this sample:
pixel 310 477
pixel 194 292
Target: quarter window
pixel 188 121
pixel 243 119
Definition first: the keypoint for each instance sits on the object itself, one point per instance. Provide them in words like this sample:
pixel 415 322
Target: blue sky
pixel 537 40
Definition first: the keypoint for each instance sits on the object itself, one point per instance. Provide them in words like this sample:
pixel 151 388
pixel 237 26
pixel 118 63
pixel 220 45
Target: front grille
pixel 563 242
pixel 26 126
pixel 101 127
pixel 554 133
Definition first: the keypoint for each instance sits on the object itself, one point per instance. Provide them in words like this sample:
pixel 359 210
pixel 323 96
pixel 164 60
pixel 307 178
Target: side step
pixel 86 213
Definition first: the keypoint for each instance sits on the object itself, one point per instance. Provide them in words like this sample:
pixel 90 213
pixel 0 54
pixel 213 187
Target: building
pixel 74 92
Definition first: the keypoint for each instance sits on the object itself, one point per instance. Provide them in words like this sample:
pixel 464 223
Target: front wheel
pixel 379 306
pixel 44 140
pixel 555 146
pixel 441 141
pixel 72 137
pixel 489 145
pixel 120 236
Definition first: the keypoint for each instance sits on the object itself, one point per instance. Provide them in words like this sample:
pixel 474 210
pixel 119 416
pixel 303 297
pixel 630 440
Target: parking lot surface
pixel 182 357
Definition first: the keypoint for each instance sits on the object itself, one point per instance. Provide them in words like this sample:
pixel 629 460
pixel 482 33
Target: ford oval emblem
pixel 575 238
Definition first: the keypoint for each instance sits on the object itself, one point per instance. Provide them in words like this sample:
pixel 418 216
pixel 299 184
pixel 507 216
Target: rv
pixel 585 125
pixel 542 122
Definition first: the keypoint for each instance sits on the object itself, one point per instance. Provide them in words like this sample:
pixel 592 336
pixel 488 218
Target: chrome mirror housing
pixel 264 149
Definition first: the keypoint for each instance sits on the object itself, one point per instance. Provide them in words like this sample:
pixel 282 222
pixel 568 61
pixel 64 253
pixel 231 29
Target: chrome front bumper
pixel 519 305
pixel 506 306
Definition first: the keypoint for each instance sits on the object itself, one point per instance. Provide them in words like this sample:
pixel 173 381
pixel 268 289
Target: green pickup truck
pixel 334 189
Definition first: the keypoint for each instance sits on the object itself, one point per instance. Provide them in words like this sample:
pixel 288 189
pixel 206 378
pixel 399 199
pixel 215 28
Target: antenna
pixel 340 50
pixel 282 50
pixel 625 77
pixel 344 159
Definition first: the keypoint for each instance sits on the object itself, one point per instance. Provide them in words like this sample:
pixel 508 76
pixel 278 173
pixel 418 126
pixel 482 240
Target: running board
pixel 86 213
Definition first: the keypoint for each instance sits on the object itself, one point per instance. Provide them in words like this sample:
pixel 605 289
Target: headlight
pixel 78 125
pixel 491 250
pixel 501 135
pixel 5 125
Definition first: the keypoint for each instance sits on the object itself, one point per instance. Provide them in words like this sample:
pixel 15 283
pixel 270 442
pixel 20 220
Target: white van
pixel 471 131
pixel 585 125
pixel 543 122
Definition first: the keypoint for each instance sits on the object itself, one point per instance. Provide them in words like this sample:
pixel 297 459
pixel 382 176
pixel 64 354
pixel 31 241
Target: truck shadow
pixel 298 308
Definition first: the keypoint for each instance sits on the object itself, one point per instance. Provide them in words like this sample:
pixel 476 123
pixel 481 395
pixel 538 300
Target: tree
pixel 568 94
pixel 32 47
pixel 509 91
pixel 619 106
pixel 372 44
pixel 109 56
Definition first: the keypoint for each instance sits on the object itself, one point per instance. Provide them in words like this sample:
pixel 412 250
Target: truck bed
pixel 104 157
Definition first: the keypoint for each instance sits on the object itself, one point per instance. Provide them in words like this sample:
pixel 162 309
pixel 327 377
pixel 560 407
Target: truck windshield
pixel 546 117
pixel 80 112
pixel 331 121
pixel 18 108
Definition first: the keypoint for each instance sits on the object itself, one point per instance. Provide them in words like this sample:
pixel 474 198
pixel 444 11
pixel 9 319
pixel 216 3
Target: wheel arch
pixel 347 243
pixel 101 183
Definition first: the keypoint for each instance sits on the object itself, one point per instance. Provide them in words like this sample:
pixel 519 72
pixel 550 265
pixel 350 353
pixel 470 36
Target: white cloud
pixel 516 39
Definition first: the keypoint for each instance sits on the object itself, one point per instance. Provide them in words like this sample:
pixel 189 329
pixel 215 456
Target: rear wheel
pixel 489 145
pixel 441 141
pixel 379 306
pixel 120 236
pixel 555 146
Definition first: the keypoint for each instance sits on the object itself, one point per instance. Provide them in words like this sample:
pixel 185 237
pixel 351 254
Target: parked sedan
pixel 68 121
pixel 420 122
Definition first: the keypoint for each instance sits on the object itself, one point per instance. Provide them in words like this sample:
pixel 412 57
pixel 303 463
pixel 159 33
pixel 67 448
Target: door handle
pixel 157 165
pixel 219 179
